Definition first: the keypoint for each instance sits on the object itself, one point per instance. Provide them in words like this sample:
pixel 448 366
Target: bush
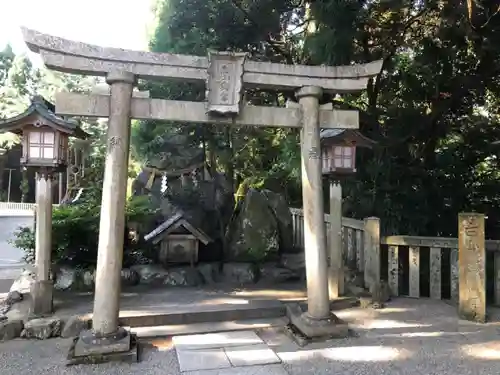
pixel 75 234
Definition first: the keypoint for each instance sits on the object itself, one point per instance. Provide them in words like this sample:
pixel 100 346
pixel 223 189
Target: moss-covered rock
pixel 253 234
pixel 283 216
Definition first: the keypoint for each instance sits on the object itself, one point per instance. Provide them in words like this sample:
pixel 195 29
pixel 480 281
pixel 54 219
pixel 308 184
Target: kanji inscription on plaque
pixel 225 82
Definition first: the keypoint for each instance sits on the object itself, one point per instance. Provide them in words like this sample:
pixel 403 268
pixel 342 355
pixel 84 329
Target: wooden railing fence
pixel 18 209
pixel 398 259
pixel 352 237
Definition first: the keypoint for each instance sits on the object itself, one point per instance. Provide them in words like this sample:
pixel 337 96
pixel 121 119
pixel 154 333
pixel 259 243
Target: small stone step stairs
pixel 199 319
pixel 201 313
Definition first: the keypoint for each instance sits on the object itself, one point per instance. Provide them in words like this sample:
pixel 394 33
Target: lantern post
pixel 338 150
pixel 44 138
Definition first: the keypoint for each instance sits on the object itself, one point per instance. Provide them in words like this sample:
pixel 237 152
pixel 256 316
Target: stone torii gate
pixel 227 75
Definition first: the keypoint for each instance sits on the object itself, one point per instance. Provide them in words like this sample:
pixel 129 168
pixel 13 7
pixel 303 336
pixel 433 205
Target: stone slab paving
pixel 216 340
pixel 202 359
pixel 407 337
pixel 224 350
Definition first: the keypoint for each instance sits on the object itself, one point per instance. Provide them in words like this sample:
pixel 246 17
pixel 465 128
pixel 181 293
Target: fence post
pixel 472 270
pixel 336 264
pixel 372 251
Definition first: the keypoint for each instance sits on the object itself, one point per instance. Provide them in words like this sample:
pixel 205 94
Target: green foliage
pixel 433 109
pixel 193 27
pixel 75 233
pixel 20 80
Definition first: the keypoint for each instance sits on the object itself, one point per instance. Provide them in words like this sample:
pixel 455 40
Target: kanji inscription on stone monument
pixel 471 260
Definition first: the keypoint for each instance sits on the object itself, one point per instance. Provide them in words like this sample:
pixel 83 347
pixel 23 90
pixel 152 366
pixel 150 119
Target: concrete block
pixel 216 340
pixel 205 359
pixel 248 370
pixel 251 355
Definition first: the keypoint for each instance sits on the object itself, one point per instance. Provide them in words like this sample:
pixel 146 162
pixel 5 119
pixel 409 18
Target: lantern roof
pixel 336 136
pixel 40 108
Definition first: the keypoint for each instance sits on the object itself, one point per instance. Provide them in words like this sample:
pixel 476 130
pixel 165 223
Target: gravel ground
pixel 25 357
pixel 408 337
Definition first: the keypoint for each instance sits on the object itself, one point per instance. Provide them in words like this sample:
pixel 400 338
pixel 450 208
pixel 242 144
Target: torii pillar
pixel 318 306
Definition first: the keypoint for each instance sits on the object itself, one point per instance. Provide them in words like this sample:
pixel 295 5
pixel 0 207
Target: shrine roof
pixel 46 110
pixel 174 222
pixel 352 135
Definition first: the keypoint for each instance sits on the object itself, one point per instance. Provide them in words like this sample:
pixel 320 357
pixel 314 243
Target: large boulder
pixel 10 329
pixel 155 275
pixel 209 272
pixel 129 277
pixel 23 283
pixel 13 297
pixel 42 328
pixel 150 274
pixel 272 273
pixel 240 273
pixel 281 211
pixel 253 234
pixel 295 263
pixel 75 280
pixel 67 278
pixel 74 325
pixel 183 276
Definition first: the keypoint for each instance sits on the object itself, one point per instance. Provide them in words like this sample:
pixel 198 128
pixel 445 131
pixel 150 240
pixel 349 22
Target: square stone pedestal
pixel 311 329
pixel 89 349
pixel 42 298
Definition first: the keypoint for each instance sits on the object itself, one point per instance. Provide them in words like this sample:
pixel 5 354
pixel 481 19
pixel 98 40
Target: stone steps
pixel 200 313
pixel 201 318
pixel 209 327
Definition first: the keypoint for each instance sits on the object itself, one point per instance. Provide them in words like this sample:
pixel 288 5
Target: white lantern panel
pixel 338 163
pixel 34 152
pixel 348 163
pixel 347 151
pixel 48 138
pixel 337 150
pixel 34 137
pixel 48 153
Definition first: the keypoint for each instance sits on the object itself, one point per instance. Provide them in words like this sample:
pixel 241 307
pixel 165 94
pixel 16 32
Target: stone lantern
pixel 338 151
pixel 44 148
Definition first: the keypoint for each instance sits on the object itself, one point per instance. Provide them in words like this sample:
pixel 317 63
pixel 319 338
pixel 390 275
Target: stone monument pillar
pixel 371 252
pixel 42 288
pixel 472 270
pixel 112 223
pixel 312 196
